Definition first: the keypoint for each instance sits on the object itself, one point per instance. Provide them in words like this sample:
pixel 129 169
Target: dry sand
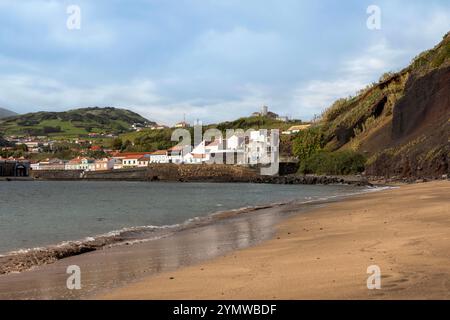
pixel 324 254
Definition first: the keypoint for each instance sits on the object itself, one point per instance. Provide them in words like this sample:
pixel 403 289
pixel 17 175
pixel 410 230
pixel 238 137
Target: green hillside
pixel 72 123
pixel 259 122
pixel 149 140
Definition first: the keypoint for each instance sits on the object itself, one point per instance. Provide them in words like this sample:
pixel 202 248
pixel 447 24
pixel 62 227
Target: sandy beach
pixel 325 254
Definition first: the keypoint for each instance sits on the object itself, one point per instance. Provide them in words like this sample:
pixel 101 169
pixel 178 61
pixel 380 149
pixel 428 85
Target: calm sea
pixel 40 213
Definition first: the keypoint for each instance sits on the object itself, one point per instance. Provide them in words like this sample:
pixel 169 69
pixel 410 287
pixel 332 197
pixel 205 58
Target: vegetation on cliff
pixel 401 124
pixel 255 123
pixel 334 163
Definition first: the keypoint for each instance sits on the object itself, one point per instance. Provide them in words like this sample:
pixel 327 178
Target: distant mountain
pixel 4 113
pixel 402 123
pixel 73 122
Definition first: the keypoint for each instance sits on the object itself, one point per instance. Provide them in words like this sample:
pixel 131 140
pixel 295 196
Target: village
pixel 254 147
pixel 238 150
pixel 251 149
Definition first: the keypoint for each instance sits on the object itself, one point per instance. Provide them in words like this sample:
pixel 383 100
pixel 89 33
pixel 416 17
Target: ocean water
pixel 40 213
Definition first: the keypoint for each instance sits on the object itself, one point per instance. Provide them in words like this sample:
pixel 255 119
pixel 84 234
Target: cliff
pixel 401 123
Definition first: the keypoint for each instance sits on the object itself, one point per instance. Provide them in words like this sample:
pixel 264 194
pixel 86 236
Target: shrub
pixel 49 129
pixel 308 142
pixel 337 108
pixel 333 163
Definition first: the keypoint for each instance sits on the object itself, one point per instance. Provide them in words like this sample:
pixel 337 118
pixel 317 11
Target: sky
pixel 212 60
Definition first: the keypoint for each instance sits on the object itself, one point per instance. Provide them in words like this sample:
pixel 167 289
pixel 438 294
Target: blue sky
pixel 212 60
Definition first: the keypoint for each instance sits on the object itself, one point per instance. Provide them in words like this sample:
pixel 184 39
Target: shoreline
pixel 325 254
pixel 23 259
pixel 220 233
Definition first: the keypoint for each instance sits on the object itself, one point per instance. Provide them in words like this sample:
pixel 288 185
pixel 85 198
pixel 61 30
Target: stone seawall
pixel 56 174
pixel 157 172
pixel 192 173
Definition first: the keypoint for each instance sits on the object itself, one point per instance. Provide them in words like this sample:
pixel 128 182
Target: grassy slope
pixel 149 140
pixel 71 123
pixel 364 123
pixel 254 123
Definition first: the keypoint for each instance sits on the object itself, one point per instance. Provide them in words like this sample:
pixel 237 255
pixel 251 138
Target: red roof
pixel 136 156
pixel 75 161
pixel 159 153
pixel 175 148
pixel 130 154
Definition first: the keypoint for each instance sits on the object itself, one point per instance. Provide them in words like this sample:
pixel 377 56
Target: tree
pixel 127 144
pixel 117 144
pixel 21 147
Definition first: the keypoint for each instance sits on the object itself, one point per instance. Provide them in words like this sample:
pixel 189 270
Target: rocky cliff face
pixel 425 106
pixel 402 123
pixel 420 130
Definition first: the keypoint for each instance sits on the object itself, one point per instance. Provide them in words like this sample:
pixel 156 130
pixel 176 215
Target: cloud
pixel 39 93
pixel 316 95
pixel 231 53
pixel 378 58
pixel 45 23
pixel 213 60
pixel 353 74
pixel 140 95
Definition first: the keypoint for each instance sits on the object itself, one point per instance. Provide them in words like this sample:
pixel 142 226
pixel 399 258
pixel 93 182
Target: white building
pixel 194 158
pixel 296 129
pixel 131 161
pixel 127 160
pixel 235 143
pixel 143 162
pixel 103 164
pixel 49 164
pixel 229 151
pixel 117 163
pixel 80 164
pixel 182 124
pixel 258 149
pixel 159 156
pixel 176 154
pixel 73 164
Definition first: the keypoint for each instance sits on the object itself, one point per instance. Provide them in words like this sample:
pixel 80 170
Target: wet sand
pixel 325 254
pixel 116 266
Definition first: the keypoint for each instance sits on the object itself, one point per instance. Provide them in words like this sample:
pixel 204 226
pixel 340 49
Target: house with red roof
pixel 135 160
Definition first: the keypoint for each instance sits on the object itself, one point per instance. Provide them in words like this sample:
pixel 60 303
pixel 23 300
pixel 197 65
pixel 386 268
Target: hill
pixel 401 124
pixel 4 113
pixel 72 123
pixel 255 122
pixel 149 140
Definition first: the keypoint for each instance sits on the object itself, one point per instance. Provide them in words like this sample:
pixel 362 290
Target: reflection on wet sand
pixel 116 266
